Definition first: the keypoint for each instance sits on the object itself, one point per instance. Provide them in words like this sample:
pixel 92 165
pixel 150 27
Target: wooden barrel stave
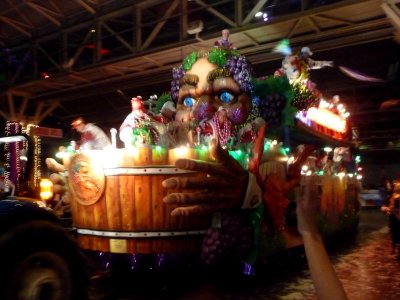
pixel 114 209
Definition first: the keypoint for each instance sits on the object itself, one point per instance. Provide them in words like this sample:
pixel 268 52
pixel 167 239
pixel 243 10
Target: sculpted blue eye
pixel 188 101
pixel 226 97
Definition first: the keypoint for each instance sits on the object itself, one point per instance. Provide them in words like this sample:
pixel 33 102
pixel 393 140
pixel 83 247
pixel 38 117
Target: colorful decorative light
pixel 37 153
pixel 46 189
pixel 328 119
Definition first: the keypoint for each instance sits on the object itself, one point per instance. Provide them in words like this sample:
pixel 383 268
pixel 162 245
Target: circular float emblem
pixel 86 179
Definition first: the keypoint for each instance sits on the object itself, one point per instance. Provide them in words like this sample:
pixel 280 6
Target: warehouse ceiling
pixel 63 59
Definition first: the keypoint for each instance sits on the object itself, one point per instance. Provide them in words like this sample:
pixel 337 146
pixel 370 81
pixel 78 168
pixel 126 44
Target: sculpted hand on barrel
pixel 222 189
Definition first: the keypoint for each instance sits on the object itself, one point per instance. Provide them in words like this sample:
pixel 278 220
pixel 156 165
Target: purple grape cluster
pixel 242 71
pixel 177 74
pixel 232 242
pixel 271 107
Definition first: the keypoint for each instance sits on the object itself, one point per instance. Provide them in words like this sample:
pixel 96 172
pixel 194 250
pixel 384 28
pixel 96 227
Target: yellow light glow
pixel 46 189
pixel 328 119
pixel 133 150
pixel 182 152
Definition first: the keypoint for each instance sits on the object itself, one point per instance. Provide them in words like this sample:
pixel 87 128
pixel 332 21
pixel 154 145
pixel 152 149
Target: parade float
pixel 214 168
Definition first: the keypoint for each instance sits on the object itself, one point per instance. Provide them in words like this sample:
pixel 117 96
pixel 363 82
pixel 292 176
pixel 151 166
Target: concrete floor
pixel 366 267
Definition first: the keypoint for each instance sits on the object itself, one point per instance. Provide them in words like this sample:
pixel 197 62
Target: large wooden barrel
pixel 116 203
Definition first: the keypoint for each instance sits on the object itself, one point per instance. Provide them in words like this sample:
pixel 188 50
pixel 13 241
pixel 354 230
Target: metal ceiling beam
pixel 339 20
pixel 19 26
pixel 134 75
pixel 39 116
pixel 118 37
pixel 160 24
pixel 86 6
pixel 392 10
pixel 216 13
pixel 45 12
pixel 254 10
pixel 49 57
pixel 17 8
pixel 256 54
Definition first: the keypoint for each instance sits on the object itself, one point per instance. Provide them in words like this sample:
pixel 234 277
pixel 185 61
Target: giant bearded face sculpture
pixel 207 81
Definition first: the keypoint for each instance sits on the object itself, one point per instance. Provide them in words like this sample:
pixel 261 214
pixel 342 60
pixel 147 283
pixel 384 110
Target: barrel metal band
pixel 144 171
pixel 141 234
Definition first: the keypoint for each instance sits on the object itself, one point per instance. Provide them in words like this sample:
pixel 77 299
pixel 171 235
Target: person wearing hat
pixel 297 66
pixel 306 53
pixel 92 136
pixel 139 128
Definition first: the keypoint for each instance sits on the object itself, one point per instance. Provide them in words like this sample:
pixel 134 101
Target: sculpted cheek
pixel 238 112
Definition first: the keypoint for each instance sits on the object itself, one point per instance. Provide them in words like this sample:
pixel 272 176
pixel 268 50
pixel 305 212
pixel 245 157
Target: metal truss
pixel 55 49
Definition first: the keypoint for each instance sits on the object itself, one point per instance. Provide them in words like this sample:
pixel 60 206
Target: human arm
pixel 326 282
pixel 318 64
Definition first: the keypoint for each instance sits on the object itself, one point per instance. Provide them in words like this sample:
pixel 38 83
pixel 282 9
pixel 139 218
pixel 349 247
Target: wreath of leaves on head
pixel 216 56
pixel 189 60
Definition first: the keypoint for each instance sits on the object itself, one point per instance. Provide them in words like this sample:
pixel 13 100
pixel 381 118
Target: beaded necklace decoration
pixel 224 134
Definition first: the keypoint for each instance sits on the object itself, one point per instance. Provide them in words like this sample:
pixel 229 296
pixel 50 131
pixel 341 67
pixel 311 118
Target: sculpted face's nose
pixel 204 108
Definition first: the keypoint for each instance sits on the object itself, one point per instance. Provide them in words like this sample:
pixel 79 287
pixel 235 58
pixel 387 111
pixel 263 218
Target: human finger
pixel 310 190
pixel 56 178
pixel 59 189
pixel 59 183
pixel 53 165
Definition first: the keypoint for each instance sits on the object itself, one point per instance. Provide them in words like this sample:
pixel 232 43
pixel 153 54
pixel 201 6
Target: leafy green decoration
pixel 189 60
pixel 288 114
pixel 218 56
pixel 272 85
pixel 165 97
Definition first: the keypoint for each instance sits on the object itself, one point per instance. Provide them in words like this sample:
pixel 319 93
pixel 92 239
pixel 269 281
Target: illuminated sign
pixel 323 117
pixel 48 132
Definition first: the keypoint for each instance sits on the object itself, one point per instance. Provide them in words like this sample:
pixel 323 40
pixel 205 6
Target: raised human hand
pixel 224 187
pixel 58 179
pixel 307 206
